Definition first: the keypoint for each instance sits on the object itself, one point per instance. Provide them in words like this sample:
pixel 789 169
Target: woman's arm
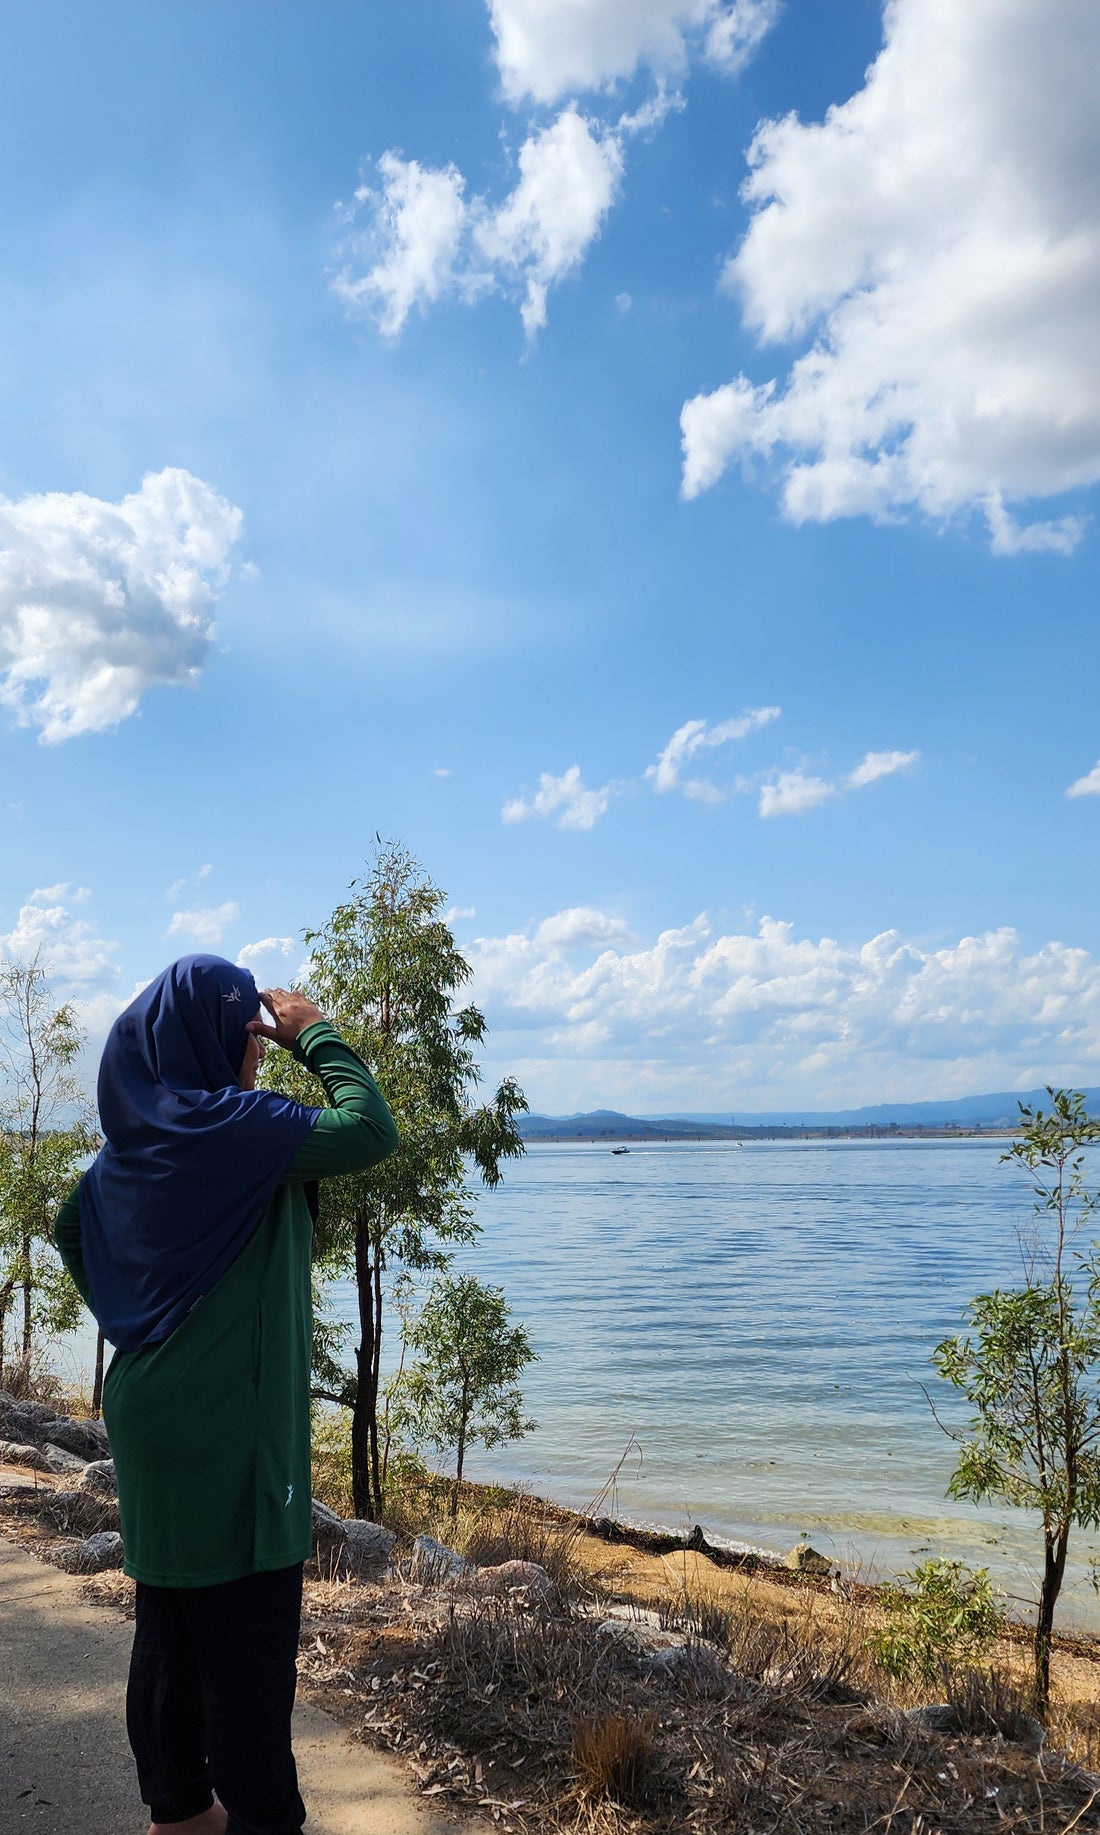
pixel 357 1130
pixel 66 1235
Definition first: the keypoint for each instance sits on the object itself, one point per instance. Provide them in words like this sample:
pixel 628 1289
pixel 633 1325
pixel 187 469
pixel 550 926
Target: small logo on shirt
pixel 289 1495
pixel 234 994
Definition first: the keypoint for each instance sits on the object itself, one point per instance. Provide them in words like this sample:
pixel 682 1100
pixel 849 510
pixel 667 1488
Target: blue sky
pixel 500 506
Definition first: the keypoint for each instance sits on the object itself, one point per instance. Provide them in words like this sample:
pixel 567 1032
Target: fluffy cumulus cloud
pixel 66 945
pixel 766 1018
pixel 417 238
pixel 99 601
pixel 693 741
pixel 566 800
pixel 546 50
pixel 934 247
pixel 205 925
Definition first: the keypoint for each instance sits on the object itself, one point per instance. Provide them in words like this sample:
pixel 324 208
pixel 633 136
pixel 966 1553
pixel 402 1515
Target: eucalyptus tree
pixel 46 1129
pixel 386 969
pixel 1029 1367
pixel 463 1388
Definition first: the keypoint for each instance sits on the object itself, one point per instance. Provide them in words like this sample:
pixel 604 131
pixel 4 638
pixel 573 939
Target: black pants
pixel 212 1680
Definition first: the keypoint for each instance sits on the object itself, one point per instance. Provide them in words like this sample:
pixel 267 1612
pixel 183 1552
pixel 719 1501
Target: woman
pixel 190 1240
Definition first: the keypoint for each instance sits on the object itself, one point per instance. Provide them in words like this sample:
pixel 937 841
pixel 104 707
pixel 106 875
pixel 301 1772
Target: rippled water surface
pixel 755 1324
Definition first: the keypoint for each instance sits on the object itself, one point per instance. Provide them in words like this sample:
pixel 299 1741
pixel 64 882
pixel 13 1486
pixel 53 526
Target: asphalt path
pixel 65 1765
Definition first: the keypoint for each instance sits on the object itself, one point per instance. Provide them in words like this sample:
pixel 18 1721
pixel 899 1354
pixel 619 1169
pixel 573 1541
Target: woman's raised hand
pixel 291 1012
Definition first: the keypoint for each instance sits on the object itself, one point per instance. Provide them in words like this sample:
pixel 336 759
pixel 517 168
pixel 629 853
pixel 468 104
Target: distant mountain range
pixel 1000 1110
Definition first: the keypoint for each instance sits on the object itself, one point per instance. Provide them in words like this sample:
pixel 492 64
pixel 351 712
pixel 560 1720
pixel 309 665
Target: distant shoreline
pixel 745 1136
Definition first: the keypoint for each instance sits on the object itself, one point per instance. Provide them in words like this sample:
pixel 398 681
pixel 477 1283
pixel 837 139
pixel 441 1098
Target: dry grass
pixel 614 1757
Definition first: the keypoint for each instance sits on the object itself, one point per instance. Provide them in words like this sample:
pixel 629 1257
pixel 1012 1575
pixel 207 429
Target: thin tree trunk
pixel 1054 1565
pixel 376 1363
pixel 460 1455
pixel 366 1399
pixel 27 1294
pixel 97 1386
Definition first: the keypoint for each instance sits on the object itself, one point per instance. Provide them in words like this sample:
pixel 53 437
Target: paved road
pixel 65 1766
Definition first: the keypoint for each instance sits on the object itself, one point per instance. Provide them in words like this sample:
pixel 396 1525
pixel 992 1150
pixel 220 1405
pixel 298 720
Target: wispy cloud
pixel 1089 785
pixel 794 793
pixel 694 737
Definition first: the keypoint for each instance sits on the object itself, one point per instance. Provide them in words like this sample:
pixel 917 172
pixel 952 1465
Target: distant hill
pixel 1000 1110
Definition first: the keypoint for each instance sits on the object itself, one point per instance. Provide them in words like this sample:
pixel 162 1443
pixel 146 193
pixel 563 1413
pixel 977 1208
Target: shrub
pixel 942 1615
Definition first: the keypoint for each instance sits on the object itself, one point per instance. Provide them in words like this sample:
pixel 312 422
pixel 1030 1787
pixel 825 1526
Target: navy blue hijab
pixel 191 1159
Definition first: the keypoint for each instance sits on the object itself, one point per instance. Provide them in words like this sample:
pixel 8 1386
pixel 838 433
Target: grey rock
pixel 513 1577
pixel 95 1554
pixel 941 1717
pixel 698 1668
pixel 60 1461
pixel 638 1637
pixel 88 1439
pixel 78 1512
pixel 434 1564
pixel 934 1717
pixel 807 1560
pixel 12 1453
pixel 330 1540
pixel 99 1477
pixel 34 1411
pixel 368 1545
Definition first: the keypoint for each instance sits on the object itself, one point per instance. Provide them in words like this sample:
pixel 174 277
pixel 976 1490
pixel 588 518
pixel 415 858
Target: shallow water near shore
pixel 751 1327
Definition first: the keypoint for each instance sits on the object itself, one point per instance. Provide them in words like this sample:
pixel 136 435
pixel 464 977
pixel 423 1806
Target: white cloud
pixel 566 798
pixel 581 927
pixel 568 177
pixel 937 240
pixel 422 241
pixel 455 914
pixel 768 1018
pixel 695 736
pixel 546 49
pixel 99 601
pixel 417 220
pixel 67 946
pixel 262 951
pixel 880 764
pixel 205 925
pixel 1088 785
pixel 793 793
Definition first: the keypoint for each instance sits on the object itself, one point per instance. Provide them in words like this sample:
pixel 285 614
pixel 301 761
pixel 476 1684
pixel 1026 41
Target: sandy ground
pixel 65 1766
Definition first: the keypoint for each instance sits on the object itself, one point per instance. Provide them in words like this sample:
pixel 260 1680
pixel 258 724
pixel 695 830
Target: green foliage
pixel 386 970
pixel 940 1616
pixel 1029 1365
pixel 46 1130
pixel 463 1388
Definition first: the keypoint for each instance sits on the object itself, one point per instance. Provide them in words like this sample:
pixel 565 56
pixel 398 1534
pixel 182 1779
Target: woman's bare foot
pixel 211 1822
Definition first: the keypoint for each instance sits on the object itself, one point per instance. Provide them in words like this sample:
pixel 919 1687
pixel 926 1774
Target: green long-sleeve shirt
pixel 210 1428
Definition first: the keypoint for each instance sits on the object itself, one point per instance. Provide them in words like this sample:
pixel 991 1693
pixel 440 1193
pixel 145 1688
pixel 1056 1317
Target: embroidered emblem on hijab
pixel 190 1161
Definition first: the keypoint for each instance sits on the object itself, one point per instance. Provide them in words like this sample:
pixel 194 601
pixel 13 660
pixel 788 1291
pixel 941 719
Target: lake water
pixel 751 1327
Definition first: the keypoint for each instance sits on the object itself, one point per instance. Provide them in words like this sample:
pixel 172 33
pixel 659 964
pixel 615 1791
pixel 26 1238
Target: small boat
pixel 620 1149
